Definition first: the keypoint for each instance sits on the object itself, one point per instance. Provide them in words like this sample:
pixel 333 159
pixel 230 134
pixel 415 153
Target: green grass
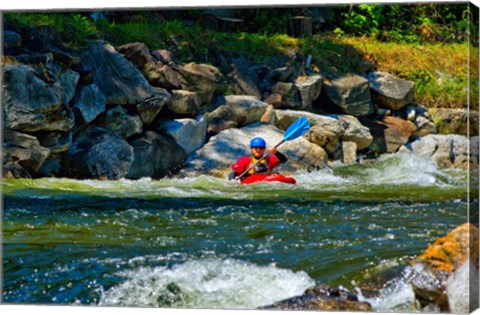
pixel 439 71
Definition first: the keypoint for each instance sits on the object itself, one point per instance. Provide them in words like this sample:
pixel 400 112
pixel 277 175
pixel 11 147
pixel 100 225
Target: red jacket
pixel 266 166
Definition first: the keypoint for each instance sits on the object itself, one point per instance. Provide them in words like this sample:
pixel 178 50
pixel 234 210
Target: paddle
pixel 296 129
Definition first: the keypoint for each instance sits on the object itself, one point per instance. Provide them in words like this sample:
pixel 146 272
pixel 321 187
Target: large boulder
pixel 389 133
pixel 98 153
pixel 156 156
pixel 433 268
pixel 243 80
pixel 350 93
pixel 89 103
pixel 55 141
pixel 201 78
pixel 184 104
pixel 119 121
pixel 285 95
pixel 322 298
pixel 118 79
pixel 224 149
pixel 190 134
pixel 447 151
pixel 389 91
pixel 325 131
pixel 281 74
pixel 31 104
pixel 235 111
pixel 13 170
pixel 354 131
pixel 455 121
pixel 149 109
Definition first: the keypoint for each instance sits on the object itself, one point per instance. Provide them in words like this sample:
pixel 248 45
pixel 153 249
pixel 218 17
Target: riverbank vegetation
pixel 430 44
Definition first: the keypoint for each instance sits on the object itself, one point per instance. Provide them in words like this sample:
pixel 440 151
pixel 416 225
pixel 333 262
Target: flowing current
pixel 206 242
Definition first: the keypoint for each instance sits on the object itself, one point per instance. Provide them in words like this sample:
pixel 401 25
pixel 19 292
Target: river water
pixel 206 242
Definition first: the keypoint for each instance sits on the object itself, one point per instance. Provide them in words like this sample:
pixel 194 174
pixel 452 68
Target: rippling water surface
pixel 209 243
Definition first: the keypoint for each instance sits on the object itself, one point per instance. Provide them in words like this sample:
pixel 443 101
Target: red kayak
pixel 255 178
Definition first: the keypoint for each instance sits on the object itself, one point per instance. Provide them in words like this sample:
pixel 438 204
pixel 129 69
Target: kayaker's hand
pixel 232 176
pixel 273 151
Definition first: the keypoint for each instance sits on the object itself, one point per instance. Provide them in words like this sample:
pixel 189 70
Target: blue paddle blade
pixel 298 128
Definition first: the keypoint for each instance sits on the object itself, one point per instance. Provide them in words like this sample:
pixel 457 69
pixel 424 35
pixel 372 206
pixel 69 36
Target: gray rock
pixel 12 42
pixel 118 79
pixel 201 78
pixel 155 156
pixel 89 103
pixel 31 159
pixel 150 108
pixel 281 74
pixel 117 120
pixel 190 134
pixel 290 96
pixel 237 110
pixel 310 88
pixel 424 126
pixel 389 91
pixel 31 104
pixel 224 149
pixel 184 104
pixel 13 170
pixel 243 80
pixel 69 80
pixel 351 94
pixel 98 153
pixel 355 131
pixel 56 141
pixel 50 168
pixel 17 139
pixel 162 55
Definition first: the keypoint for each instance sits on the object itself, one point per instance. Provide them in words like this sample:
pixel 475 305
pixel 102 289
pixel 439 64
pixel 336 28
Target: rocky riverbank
pixel 130 112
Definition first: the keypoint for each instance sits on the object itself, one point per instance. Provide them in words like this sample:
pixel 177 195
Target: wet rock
pixel 119 121
pixel 432 269
pixel 455 121
pixel 389 91
pixel 235 110
pixel 12 42
pixel 118 79
pixel 190 134
pixel 155 156
pixel 446 151
pixel 98 153
pixel 31 104
pixel 201 78
pixel 354 131
pixel 350 93
pixel 323 298
pixel 69 80
pixel 13 170
pixel 224 149
pixel 325 131
pixel 184 104
pixel 89 103
pixel 389 133
pixel 243 80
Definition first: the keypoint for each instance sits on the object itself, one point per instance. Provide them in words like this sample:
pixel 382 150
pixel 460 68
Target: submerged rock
pixel 433 268
pixel 323 298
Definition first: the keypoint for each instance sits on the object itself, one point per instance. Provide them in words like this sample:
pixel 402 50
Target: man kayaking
pixel 264 166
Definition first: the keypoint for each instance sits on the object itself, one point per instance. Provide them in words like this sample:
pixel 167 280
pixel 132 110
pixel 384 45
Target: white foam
pixel 207 283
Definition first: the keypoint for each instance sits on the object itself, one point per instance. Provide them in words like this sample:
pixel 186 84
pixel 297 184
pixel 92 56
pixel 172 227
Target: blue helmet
pixel 258 142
